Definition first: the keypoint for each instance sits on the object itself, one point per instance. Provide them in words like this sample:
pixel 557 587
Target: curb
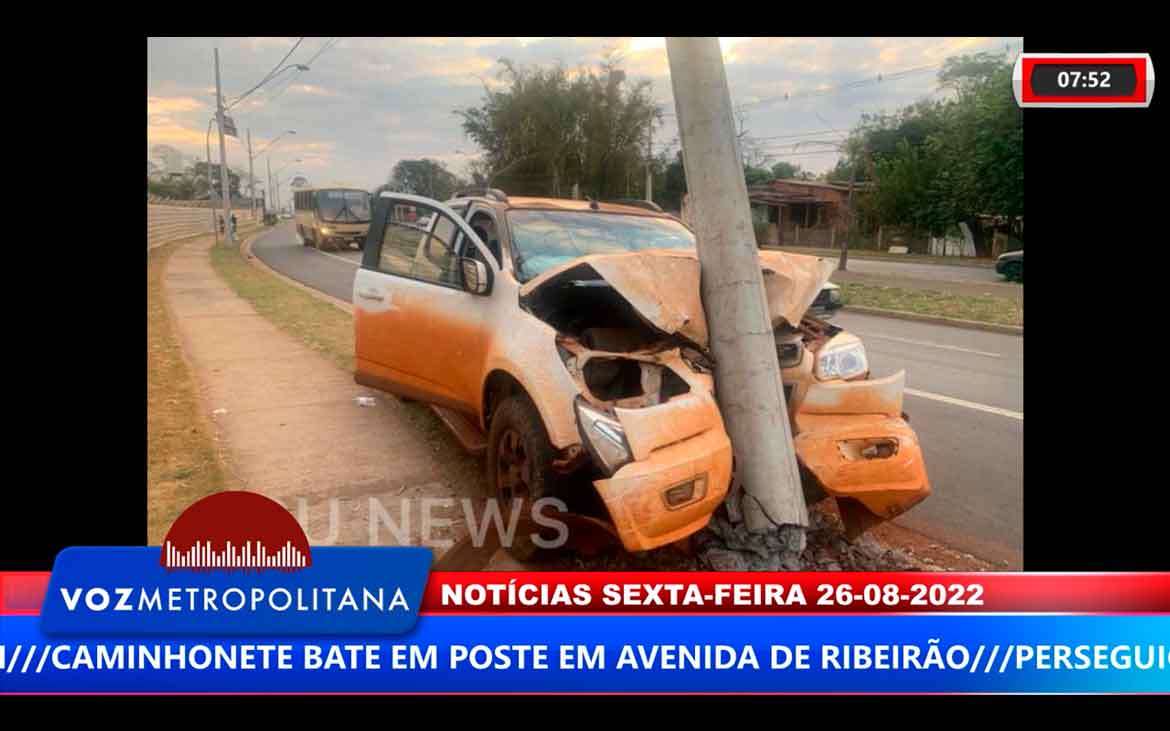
pixel 938 320
pixel 246 250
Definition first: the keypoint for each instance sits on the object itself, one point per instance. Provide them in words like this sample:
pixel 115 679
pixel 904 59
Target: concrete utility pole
pixel 210 207
pixel 225 191
pixel 649 156
pixel 844 260
pixel 251 177
pixel 747 372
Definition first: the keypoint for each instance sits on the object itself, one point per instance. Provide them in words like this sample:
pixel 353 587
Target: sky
pixel 366 103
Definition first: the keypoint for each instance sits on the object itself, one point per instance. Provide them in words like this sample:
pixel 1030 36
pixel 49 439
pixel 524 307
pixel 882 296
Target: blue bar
pixel 955 637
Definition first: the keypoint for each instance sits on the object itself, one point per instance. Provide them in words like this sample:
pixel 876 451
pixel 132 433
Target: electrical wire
pixel 269 76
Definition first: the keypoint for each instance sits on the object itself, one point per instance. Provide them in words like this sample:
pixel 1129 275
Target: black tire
pixel 1013 271
pixel 519 454
pixel 304 237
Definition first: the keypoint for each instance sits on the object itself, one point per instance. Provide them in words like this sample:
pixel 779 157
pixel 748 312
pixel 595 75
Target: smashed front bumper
pixel 680 473
pixel 851 436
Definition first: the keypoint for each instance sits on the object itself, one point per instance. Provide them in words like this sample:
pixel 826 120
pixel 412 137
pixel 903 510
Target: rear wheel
pixel 303 235
pixel 1013 271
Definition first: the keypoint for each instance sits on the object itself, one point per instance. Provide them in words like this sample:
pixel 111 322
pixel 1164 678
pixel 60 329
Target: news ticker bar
pixel 1083 80
pixel 22 593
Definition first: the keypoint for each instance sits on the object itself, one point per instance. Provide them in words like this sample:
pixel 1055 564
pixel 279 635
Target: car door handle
pixel 371 294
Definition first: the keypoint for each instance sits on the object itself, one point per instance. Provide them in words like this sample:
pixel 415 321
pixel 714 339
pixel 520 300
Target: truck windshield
pixel 343 206
pixel 545 239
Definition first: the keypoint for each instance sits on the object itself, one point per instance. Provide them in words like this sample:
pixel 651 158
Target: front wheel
pixel 519 456
pixel 519 472
pixel 1014 271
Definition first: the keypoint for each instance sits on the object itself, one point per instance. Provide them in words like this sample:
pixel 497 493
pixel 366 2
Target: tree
pixel 935 164
pixel 784 170
pixel 200 180
pixel 424 177
pixel 550 128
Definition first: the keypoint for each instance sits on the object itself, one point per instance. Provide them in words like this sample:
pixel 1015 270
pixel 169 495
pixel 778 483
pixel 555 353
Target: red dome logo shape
pixel 236 530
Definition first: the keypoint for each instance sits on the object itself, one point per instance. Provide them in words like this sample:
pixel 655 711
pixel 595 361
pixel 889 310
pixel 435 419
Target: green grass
pixel 323 327
pixel 182 463
pixel 998 310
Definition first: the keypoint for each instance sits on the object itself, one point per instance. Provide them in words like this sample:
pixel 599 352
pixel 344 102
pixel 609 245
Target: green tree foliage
pixel 174 188
pixel 937 163
pixel 549 128
pixel 199 178
pixel 425 177
pixel 784 170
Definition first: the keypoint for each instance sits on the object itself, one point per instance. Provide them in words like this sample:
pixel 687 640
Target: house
pixel 801 212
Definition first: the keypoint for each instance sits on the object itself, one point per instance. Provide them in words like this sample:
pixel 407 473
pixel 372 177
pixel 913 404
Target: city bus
pixel 332 218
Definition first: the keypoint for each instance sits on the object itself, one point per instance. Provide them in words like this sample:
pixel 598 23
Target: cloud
pixel 368 102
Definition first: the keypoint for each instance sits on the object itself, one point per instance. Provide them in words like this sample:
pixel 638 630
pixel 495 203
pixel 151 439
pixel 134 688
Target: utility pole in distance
pixel 251 177
pixel 747 371
pixel 210 207
pixel 225 191
pixel 649 156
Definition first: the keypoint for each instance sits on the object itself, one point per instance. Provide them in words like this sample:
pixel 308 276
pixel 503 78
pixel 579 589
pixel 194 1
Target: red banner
pixel 749 593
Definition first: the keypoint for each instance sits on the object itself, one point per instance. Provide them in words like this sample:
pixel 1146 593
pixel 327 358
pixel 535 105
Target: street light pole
pixel 649 154
pixel 266 148
pixel 251 177
pixel 225 191
pixel 214 228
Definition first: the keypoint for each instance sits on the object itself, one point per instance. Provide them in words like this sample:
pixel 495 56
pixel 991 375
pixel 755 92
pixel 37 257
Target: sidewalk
pixel 288 424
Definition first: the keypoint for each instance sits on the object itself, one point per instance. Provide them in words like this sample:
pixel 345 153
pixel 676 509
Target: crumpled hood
pixel 663 286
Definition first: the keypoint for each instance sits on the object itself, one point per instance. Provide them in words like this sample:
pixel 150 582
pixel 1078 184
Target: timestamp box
pixel 1082 80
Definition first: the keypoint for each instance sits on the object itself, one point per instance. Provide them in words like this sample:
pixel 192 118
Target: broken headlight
pixel 842 361
pixel 603 436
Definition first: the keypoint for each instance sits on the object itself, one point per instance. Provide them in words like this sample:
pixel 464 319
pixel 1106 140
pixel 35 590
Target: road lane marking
pixel 351 262
pixel 929 344
pixel 1019 415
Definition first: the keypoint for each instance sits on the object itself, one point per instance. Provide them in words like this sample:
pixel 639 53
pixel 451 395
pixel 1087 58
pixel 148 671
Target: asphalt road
pixel 965 398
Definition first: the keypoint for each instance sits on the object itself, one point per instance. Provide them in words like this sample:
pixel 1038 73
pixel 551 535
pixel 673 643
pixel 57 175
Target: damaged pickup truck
pixel 565 337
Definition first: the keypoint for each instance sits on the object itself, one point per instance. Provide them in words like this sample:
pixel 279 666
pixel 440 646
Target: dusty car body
pixel 600 362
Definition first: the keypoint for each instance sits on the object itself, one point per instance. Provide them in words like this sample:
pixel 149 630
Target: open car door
pixel 418 319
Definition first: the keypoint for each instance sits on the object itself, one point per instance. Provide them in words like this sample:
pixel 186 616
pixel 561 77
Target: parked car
pixel 1011 265
pixel 560 336
pixel 827 303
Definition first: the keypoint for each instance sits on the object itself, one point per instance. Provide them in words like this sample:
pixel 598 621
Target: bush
pixel 761 230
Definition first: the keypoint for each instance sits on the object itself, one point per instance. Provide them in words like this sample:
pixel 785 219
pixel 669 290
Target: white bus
pixel 332 218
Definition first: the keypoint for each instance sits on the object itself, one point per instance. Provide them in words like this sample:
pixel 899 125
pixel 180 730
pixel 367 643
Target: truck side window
pixel 435 259
pixel 484 227
pixel 401 240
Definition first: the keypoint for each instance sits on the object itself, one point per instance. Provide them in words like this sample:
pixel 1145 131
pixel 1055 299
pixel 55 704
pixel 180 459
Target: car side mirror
pixel 477 278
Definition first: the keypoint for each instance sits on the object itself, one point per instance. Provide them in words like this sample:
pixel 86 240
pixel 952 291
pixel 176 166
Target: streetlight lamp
pixel 220 116
pixel 276 181
pixel 251 157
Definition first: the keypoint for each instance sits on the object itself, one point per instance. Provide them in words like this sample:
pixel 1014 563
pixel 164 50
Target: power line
pixel 329 43
pixel 267 77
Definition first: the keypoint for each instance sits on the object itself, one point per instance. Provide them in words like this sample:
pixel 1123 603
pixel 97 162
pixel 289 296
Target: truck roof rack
pixel 493 193
pixel 637 203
